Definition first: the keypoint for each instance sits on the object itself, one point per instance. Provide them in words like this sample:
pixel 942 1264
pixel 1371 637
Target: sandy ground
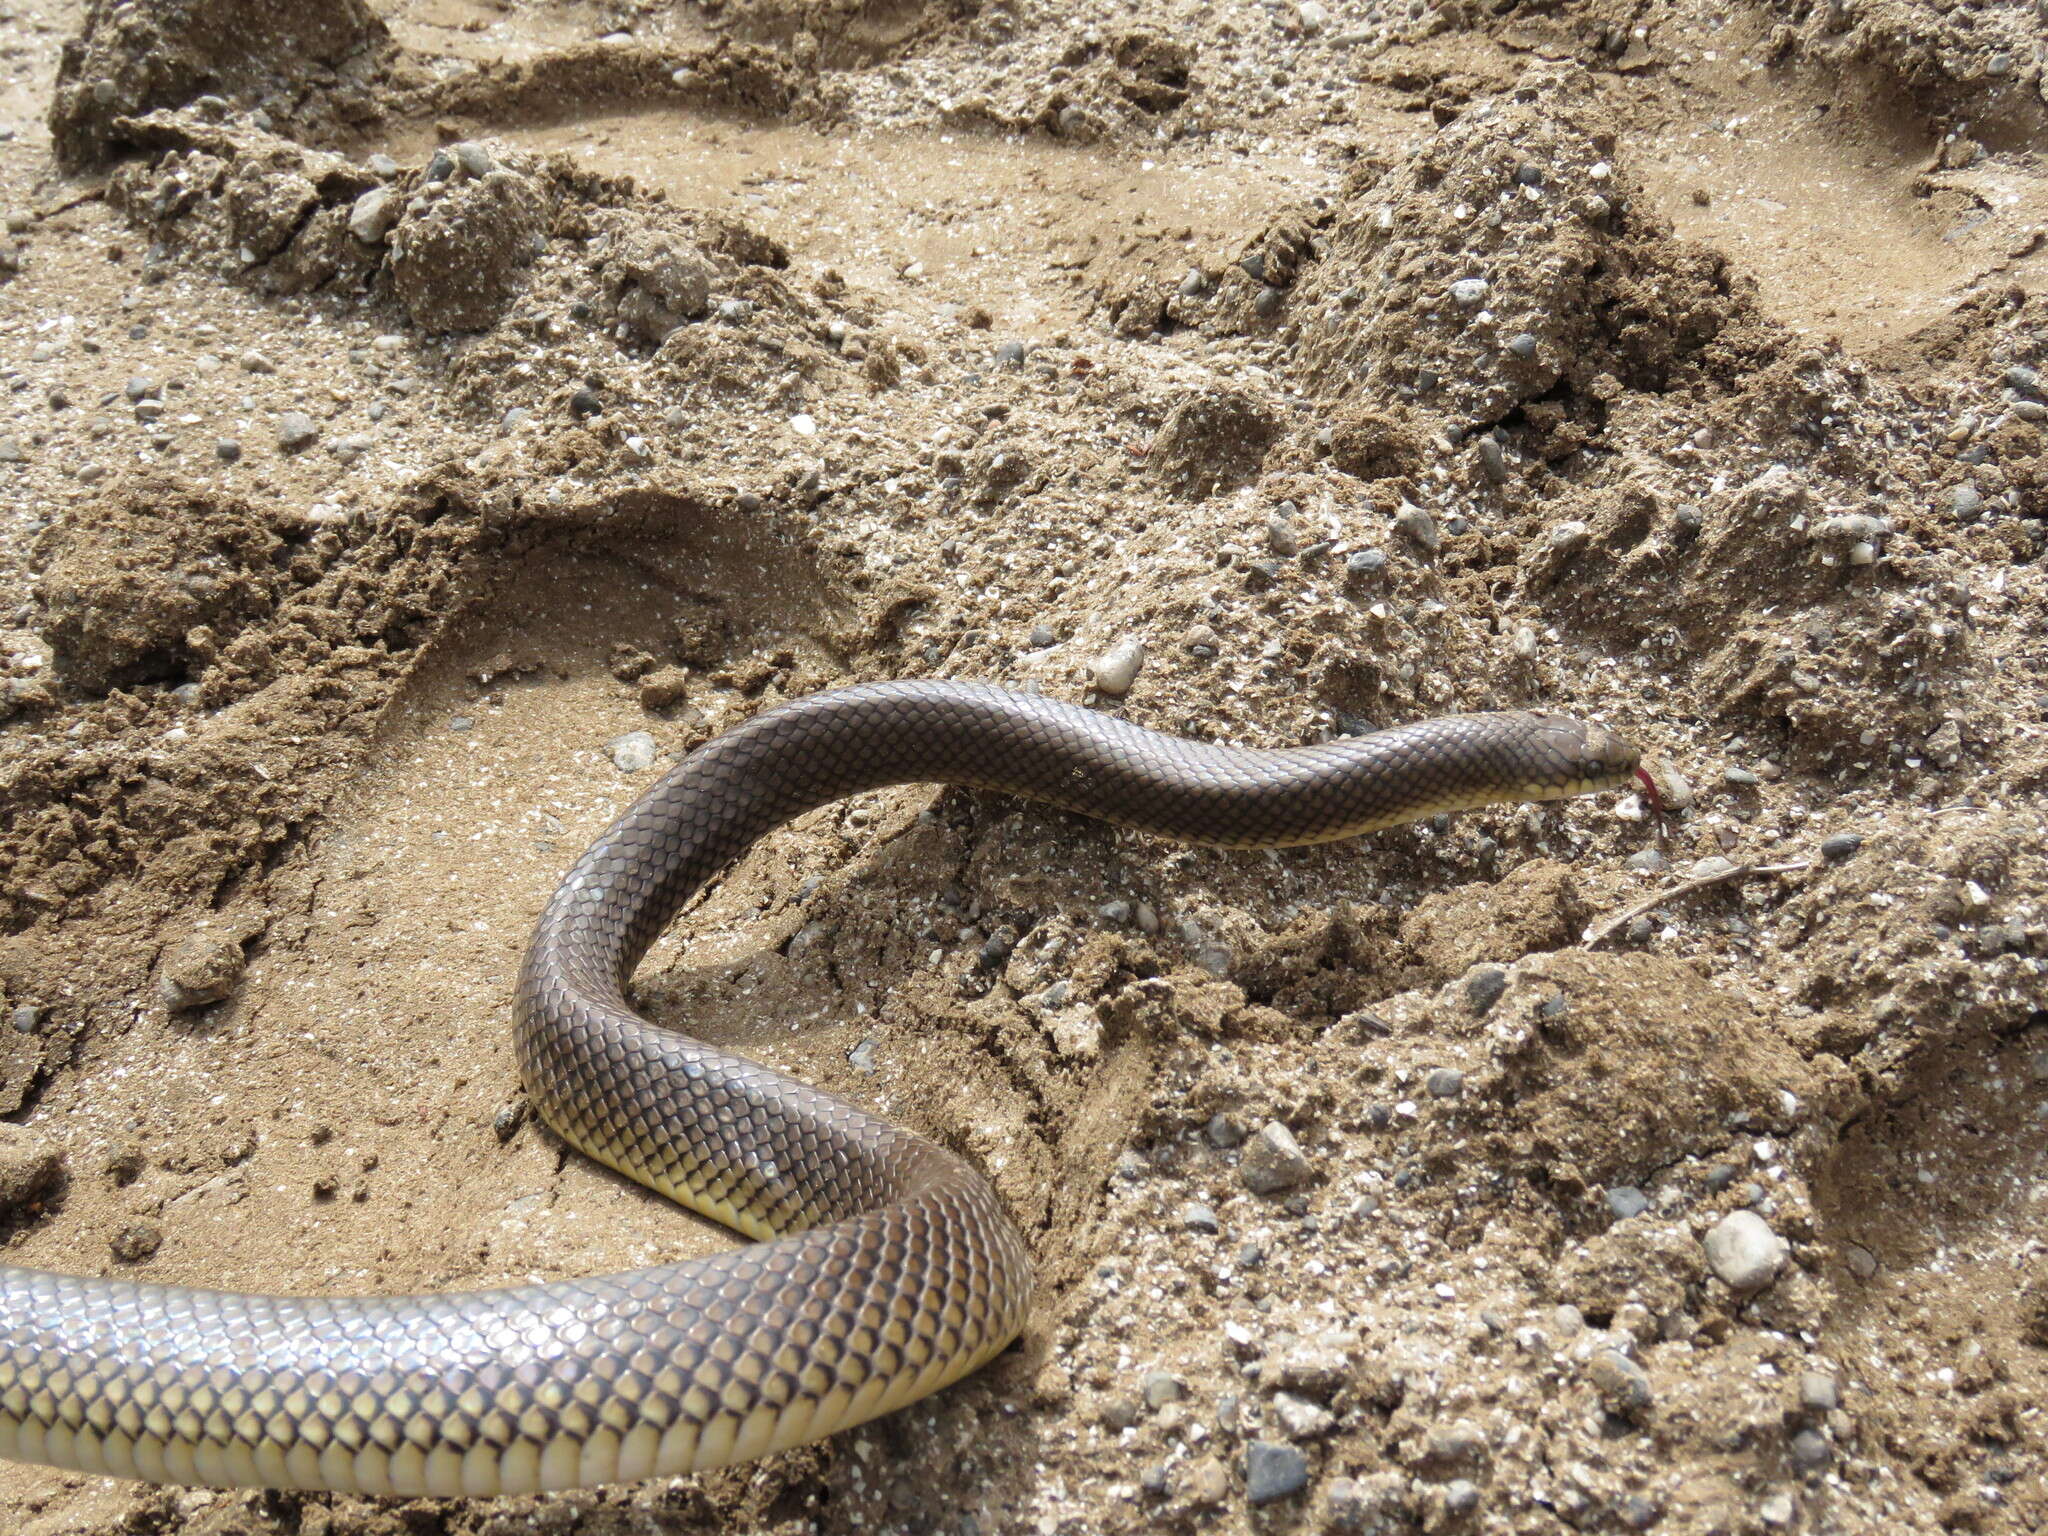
pixel 1678 365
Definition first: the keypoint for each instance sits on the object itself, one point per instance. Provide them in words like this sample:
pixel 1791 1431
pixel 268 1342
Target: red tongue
pixel 1650 791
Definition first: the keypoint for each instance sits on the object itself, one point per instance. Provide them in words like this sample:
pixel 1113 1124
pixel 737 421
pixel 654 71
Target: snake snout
pixel 1605 759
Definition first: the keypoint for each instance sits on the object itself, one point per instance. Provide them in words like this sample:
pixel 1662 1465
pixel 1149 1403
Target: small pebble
pixel 24 1019
pixel 1362 563
pixel 2023 378
pixel 1967 503
pixel 1273 1471
pixel 1300 1418
pixel 136 1243
pixel 1041 637
pixel 1273 1162
pixel 1840 847
pixel 1010 354
pixel 1621 1383
pixel 1420 528
pixel 1446 1083
pixel 1484 985
pixel 474 158
pixel 295 430
pixel 227 450
pixel 1197 1217
pixel 1114 672
pixel 1648 862
pixel 1468 291
pixel 1461 1496
pixel 1713 867
pixel 1811 1451
pixel 1778 1510
pixel 1625 1200
pixel 1744 1252
pixel 1819 1392
pixel 586 403
pixel 253 361
pixel 1160 1388
pixel 1223 1132
pixel 633 752
pixel 1522 346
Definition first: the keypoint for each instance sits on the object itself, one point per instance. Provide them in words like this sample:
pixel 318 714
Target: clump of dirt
pixel 147 583
pixel 131 59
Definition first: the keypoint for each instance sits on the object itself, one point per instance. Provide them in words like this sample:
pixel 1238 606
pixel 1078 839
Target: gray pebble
pixel 142 387
pixel 227 450
pixel 1779 1510
pixel 295 430
pixel 474 158
pixel 1195 284
pixel 1468 291
pixel 1446 1083
pixel 255 362
pixel 1461 1496
pixel 1281 538
pixel 1648 862
pixel 586 403
pixel 1745 1252
pixel 1967 503
pixel 1223 1131
pixel 1160 1388
pixel 1492 462
pixel 1522 346
pixel 1811 1451
pixel 633 752
pixel 350 448
pixel 1420 527
pixel 1840 847
pixel 2023 378
pixel 1010 355
pixel 1712 867
pixel 735 311
pixel 24 1019
pixel 1273 1162
pixel 1861 1261
pixel 1197 1217
pixel 1365 562
pixel 862 1057
pixel 1114 913
pixel 1041 637
pixel 1738 776
pixel 1273 1471
pixel 11 451
pixel 1819 1392
pixel 372 215
pixel 1625 1200
pixel 1638 1513
pixel 380 164
pixel 1119 1413
pixel 1484 985
pixel 1268 301
pixel 1115 671
pixel 509 423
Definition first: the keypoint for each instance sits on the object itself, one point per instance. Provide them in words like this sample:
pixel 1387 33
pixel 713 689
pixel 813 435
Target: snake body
pixel 885 1266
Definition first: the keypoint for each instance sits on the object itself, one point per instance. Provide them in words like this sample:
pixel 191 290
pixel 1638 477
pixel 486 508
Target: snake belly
pixel 885 1265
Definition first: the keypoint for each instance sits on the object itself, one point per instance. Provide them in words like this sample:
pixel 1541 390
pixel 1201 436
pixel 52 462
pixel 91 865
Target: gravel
pixel 634 752
pixel 1273 1162
pixel 1116 670
pixel 1484 985
pixel 1744 1252
pixel 296 431
pixel 1273 1471
pixel 1841 847
pixel 1625 1200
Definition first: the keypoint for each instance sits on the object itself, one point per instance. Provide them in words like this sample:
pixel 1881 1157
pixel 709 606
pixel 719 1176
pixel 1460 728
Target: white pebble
pixel 633 752
pixel 1745 1252
pixel 1115 671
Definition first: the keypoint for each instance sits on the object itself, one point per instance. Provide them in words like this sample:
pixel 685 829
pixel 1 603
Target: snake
pixel 883 1265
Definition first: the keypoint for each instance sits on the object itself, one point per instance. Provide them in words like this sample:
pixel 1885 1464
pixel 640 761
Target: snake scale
pixel 884 1266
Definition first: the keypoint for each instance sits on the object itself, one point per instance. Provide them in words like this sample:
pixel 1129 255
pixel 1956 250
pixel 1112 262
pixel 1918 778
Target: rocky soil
pixel 425 418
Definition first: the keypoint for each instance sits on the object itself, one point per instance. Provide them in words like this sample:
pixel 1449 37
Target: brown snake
pixel 886 1266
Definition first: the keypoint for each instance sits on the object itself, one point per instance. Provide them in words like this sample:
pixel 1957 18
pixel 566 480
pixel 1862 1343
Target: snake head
pixel 1590 758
